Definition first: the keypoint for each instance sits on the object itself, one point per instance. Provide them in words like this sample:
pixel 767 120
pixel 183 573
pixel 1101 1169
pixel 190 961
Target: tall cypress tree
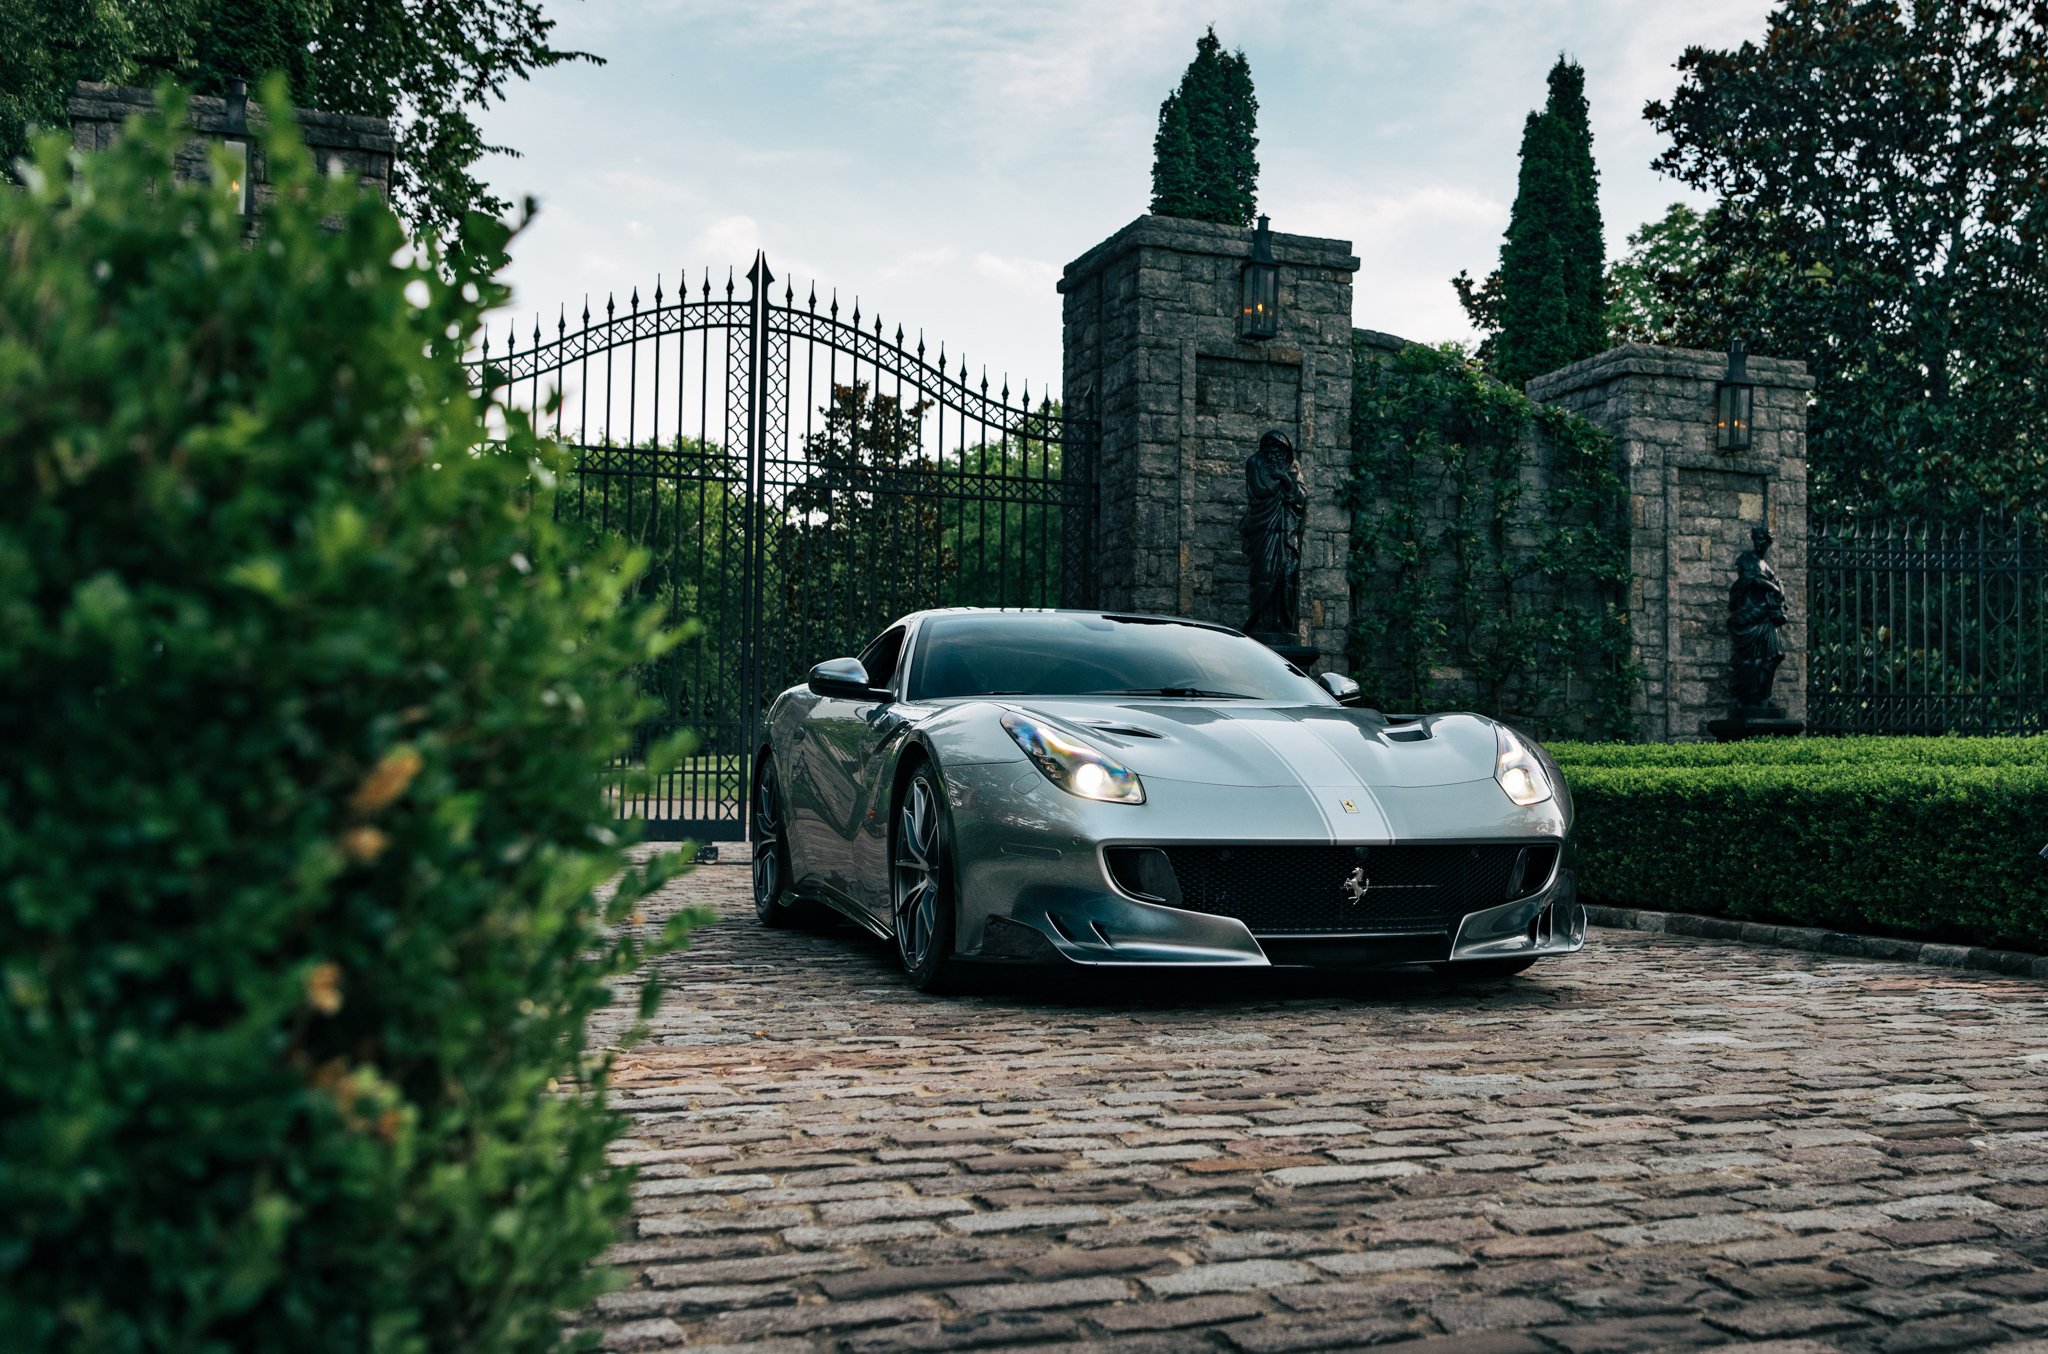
pixel 1536 332
pixel 1546 303
pixel 1584 246
pixel 1204 165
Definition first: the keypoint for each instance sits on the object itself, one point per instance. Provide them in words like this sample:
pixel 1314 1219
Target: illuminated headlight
pixel 1072 765
pixel 1518 771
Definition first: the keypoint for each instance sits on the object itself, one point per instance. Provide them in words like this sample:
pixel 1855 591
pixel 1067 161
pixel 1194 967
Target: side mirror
pixel 845 679
pixel 1340 686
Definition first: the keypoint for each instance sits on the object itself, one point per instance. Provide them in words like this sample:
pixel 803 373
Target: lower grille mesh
pixel 1402 889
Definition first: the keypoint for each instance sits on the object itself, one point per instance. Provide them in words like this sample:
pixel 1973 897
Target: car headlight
pixel 1518 771
pixel 1072 765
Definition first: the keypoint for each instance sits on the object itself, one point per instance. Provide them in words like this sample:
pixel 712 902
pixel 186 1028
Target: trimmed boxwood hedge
pixel 301 711
pixel 1937 838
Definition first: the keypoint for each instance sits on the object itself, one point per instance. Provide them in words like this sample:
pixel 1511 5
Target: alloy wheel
pixel 915 871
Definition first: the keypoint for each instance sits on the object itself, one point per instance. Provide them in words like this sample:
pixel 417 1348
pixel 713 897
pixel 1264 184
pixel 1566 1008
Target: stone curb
pixel 2015 963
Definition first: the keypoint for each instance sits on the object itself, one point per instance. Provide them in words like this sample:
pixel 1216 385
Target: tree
pixel 1881 172
pixel 1545 305
pixel 1204 165
pixel 430 65
pixel 1663 257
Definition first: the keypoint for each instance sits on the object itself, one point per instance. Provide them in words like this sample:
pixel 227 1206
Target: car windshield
pixel 1063 654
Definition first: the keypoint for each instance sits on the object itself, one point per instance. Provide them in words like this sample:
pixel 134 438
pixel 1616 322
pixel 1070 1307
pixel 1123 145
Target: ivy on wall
pixel 1489 549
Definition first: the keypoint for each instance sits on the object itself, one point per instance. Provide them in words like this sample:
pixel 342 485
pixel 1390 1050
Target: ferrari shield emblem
pixel 1349 807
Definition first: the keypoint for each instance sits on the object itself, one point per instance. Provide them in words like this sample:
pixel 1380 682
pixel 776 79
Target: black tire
pixel 921 882
pixel 774 904
pixel 1484 968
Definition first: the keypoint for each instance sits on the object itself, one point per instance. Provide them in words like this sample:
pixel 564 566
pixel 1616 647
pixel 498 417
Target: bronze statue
pixel 1756 612
pixel 1274 513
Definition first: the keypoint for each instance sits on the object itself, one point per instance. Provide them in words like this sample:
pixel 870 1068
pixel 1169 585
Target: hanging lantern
pixel 1734 403
pixel 1259 317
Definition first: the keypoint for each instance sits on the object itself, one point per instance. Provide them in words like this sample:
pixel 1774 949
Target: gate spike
pixel 636 299
pixel 835 303
pixel 536 329
pixel 487 343
pixel 984 380
pixel 707 284
pixel 586 310
pixel 942 357
pixel 920 345
pixel 1023 401
pixel 729 283
pixel 1006 387
pixel 611 306
pixel 813 302
pixel 856 312
pixel 788 293
pixel 657 291
pixel 878 326
pixel 562 323
pixel 899 336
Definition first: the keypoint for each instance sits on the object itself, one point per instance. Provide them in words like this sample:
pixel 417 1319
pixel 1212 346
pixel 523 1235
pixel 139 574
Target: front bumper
pixel 1032 888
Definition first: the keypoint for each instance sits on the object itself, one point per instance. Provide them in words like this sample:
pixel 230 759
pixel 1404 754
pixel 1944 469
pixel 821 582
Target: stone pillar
pixel 362 148
pixel 1152 354
pixel 1691 510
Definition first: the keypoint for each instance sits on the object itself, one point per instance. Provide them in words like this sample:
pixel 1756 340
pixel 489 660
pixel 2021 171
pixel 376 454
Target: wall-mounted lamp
pixel 1259 317
pixel 235 136
pixel 1734 403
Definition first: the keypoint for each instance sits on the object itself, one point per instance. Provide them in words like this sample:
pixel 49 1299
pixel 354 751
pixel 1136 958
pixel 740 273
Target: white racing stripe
pixel 1324 774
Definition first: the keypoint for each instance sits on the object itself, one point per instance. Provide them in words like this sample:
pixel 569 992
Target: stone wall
pixel 1470 588
pixel 1152 354
pixel 341 143
pixel 1692 508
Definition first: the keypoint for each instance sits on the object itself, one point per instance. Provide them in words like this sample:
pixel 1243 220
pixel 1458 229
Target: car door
pixel 842 739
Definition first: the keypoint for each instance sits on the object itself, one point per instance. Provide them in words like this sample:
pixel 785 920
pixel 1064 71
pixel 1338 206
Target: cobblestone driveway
pixel 1659 1143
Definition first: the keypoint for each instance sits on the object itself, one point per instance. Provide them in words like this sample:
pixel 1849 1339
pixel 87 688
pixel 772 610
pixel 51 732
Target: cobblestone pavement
pixel 1659 1143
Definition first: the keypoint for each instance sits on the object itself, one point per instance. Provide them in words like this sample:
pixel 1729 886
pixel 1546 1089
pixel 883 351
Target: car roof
pixel 1023 611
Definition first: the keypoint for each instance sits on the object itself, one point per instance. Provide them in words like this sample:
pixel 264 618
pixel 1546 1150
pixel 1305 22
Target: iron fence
pixel 799 479
pixel 1927 627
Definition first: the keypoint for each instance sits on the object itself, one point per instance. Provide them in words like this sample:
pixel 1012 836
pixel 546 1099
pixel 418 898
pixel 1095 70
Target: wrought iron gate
pixel 800 480
pixel 1927 628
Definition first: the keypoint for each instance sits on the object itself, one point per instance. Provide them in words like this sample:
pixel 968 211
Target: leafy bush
pixel 1929 837
pixel 299 826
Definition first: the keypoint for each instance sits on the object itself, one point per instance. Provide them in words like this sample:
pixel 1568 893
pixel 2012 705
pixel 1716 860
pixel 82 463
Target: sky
pixel 942 160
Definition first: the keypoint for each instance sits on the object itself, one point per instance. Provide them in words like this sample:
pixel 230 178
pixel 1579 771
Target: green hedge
pixel 1936 838
pixel 299 825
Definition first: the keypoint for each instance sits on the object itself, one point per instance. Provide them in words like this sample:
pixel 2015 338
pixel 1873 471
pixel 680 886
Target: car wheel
pixel 772 903
pixel 1484 968
pixel 921 883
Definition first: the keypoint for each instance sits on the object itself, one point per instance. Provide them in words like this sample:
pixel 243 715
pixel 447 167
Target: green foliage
pixel 299 825
pixel 1545 306
pixel 1880 170
pixel 1929 837
pixel 1663 255
pixel 1489 549
pixel 430 65
pixel 1204 164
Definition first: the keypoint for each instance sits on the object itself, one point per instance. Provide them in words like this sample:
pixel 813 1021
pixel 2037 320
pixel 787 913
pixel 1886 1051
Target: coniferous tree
pixel 1173 162
pixel 1545 305
pixel 1584 247
pixel 1204 165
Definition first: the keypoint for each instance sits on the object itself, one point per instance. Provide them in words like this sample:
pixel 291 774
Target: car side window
pixel 880 658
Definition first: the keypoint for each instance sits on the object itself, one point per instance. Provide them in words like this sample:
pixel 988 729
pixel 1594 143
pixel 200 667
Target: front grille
pixel 1400 889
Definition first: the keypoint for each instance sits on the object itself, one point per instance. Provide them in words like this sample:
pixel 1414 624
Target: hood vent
pixel 1122 730
pixel 1407 733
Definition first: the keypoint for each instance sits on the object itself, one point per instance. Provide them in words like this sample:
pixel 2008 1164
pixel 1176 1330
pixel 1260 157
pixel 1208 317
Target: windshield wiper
pixel 1196 692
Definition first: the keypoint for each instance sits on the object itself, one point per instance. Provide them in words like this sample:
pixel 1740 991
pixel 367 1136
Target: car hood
pixel 1254 744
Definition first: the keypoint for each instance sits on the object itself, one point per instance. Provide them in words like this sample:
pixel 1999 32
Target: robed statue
pixel 1756 612
pixel 1275 509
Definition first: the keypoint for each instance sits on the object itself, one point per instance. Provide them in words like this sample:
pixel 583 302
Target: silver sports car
pixel 1139 791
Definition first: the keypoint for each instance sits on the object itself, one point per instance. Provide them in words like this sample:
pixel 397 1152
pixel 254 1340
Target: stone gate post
pixel 1153 354
pixel 1691 510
